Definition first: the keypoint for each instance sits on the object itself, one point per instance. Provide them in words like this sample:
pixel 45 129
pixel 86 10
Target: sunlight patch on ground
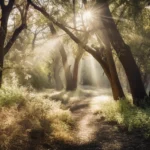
pixel 55 93
pixel 86 132
pixel 97 101
pixel 90 92
pixel 85 114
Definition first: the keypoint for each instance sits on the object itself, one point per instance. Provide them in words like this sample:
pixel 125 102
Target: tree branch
pixel 61 26
pixel 74 13
pixel 2 3
pixel 90 50
pixel 11 3
pixel 17 32
pixel 13 38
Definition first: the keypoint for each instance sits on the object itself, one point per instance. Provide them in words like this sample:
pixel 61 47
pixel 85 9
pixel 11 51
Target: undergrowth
pixel 10 96
pixel 128 116
pixel 28 119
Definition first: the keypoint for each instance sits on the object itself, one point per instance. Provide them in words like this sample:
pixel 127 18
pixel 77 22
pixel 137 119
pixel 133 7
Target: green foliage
pixel 135 31
pixel 39 78
pixel 28 70
pixel 10 96
pixel 128 116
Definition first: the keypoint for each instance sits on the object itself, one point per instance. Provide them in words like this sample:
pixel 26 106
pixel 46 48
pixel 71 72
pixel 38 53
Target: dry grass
pixel 30 118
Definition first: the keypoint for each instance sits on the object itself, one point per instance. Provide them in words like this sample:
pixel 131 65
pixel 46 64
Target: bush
pixel 127 115
pixel 10 95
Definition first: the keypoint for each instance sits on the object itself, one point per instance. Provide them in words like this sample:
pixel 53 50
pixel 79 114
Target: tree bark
pixel 58 81
pixel 124 54
pixel 67 71
pixel 115 83
pixel 3 32
pixel 76 69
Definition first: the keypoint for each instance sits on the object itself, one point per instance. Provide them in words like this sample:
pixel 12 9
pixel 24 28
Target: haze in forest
pixel 74 75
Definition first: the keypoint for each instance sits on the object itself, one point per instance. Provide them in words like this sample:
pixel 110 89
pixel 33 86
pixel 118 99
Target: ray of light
pixel 94 73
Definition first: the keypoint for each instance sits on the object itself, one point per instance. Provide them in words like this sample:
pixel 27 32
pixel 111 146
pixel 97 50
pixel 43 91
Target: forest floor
pixel 92 132
pixel 78 120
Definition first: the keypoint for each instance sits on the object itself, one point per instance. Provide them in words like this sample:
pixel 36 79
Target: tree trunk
pixel 1 63
pixel 76 70
pixel 58 81
pixel 3 32
pixel 67 71
pixel 4 48
pixel 2 37
pixel 125 56
pixel 117 92
pixel 33 41
pixel 115 83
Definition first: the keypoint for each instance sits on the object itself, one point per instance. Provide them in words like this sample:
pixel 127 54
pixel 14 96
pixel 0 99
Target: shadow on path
pixel 93 133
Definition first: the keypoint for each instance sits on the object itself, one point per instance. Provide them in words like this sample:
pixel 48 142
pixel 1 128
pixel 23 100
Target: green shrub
pixel 127 115
pixel 39 78
pixel 10 95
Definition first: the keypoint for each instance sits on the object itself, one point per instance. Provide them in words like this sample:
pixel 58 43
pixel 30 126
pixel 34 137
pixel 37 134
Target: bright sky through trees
pixel 87 15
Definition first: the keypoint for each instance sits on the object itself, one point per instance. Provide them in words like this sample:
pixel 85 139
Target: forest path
pixel 85 114
pixel 94 133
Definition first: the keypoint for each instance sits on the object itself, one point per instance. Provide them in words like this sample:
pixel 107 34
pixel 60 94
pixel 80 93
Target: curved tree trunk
pixel 78 41
pixel 117 92
pixel 125 56
pixel 115 83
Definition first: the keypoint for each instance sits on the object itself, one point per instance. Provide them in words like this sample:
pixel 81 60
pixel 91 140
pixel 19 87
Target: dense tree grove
pixel 74 74
pixel 93 27
pixel 110 39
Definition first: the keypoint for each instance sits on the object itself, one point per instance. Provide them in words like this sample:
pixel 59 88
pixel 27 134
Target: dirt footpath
pixel 94 133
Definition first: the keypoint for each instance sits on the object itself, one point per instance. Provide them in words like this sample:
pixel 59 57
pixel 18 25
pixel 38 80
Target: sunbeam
pixel 94 73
